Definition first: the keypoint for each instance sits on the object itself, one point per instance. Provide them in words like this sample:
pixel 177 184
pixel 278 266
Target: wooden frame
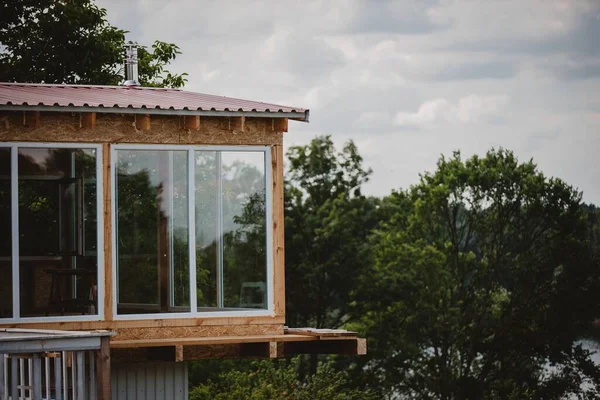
pixel 107 129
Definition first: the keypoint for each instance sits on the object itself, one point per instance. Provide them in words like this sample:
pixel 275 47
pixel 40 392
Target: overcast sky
pixel 407 81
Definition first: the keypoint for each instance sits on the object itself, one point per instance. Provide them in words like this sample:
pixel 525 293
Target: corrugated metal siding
pixel 152 381
pixel 20 94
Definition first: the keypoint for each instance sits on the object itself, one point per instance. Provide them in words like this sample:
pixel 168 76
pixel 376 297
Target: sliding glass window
pixel 195 206
pixel 152 231
pixel 49 231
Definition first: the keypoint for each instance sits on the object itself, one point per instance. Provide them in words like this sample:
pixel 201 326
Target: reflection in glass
pixel 206 228
pixel 244 230
pixel 5 236
pixel 57 231
pixel 152 231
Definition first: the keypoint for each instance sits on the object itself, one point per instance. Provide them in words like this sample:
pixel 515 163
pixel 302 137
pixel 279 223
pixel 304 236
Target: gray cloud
pixel 521 75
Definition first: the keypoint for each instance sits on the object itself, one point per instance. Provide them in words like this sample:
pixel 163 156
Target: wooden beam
pixel 142 122
pixel 237 124
pixel 31 119
pixel 278 230
pixel 106 182
pixel 191 122
pixel 259 322
pixel 280 124
pixel 195 341
pixel 103 370
pixel 276 350
pixel 322 333
pixel 178 353
pixel 87 120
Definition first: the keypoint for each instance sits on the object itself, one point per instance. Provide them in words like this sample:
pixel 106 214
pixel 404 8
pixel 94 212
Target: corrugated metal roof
pixel 134 99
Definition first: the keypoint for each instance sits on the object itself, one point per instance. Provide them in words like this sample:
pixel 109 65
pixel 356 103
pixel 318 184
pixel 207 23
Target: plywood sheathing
pixel 148 323
pixel 116 128
pixel 196 331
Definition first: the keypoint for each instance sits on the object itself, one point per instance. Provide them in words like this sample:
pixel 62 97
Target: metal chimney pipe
pixel 131 65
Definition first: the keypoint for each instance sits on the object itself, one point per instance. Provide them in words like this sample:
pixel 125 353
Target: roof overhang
pixel 298 116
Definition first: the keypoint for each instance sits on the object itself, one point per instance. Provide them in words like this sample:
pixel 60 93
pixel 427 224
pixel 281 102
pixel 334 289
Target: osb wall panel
pixel 149 323
pixel 197 331
pixel 121 128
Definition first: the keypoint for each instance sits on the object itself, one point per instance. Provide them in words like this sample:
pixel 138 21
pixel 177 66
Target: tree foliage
pixel 71 41
pixel 267 380
pixel 327 220
pixel 480 284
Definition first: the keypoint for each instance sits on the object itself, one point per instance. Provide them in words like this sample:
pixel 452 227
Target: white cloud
pixel 469 109
pixel 407 80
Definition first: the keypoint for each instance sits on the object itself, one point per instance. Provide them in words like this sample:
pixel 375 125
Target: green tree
pixel 276 381
pixel 71 41
pixel 480 284
pixel 327 220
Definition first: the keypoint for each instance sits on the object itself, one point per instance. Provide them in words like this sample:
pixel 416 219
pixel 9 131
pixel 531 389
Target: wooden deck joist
pixel 301 341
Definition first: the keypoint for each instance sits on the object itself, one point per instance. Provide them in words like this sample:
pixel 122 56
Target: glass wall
pixel 56 221
pixel 153 229
pixel 244 230
pixel 6 293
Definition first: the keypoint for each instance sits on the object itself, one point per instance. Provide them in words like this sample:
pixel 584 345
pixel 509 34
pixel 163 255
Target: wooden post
pixel 103 369
pixel 278 230
pixel 142 122
pixel 191 122
pixel 87 120
pixel 108 288
pixel 280 124
pixel 237 123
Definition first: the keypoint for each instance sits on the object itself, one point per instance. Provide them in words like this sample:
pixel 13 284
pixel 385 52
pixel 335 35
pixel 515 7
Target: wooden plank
pixel 142 122
pixel 178 353
pixel 276 350
pixel 103 370
pixel 87 120
pixel 191 122
pixel 115 128
pixel 108 279
pixel 148 323
pixel 280 124
pixel 320 332
pixel 191 341
pixel 278 231
pixel 237 124
pixel 197 331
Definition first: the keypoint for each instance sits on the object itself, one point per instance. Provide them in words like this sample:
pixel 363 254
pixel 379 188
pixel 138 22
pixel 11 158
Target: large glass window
pixel 153 226
pixel 152 231
pixel 56 221
pixel 6 292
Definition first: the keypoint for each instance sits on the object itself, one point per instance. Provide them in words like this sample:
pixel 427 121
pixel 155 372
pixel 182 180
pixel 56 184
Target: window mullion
pixel 14 207
pixel 220 296
pixel 192 230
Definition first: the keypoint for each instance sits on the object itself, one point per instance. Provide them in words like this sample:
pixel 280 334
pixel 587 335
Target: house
pixel 140 228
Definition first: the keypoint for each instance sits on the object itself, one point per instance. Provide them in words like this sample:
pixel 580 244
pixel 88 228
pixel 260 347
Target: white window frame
pixel 194 313
pixel 14 165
